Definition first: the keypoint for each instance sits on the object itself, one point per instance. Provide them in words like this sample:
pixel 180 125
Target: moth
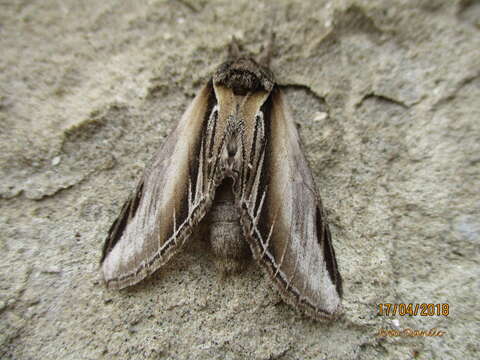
pixel 234 162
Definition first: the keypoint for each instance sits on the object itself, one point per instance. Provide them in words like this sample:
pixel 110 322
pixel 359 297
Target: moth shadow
pixel 192 264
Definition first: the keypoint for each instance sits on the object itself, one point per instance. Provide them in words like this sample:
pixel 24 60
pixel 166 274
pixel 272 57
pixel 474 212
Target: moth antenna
pixel 234 48
pixel 267 51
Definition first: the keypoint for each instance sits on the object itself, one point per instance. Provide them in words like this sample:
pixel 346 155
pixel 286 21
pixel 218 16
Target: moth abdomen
pixel 225 233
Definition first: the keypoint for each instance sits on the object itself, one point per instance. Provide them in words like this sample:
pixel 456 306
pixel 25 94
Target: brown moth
pixel 234 162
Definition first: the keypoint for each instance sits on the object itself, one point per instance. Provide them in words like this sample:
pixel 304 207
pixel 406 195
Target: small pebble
pixel 56 160
pixel 320 116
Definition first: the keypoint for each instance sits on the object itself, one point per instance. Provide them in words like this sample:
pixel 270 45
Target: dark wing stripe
pixel 126 214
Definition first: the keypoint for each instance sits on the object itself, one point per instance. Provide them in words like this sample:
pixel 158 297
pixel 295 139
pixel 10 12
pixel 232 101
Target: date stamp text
pixel 389 309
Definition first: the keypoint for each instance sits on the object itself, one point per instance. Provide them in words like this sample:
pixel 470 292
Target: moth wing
pixel 291 240
pixel 169 200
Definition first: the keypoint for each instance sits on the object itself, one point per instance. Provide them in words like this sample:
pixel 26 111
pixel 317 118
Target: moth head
pixel 244 75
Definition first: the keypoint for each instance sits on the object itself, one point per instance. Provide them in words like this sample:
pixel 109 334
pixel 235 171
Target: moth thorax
pixel 231 154
pixel 232 148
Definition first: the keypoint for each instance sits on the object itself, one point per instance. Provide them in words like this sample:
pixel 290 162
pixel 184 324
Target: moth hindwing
pixel 234 160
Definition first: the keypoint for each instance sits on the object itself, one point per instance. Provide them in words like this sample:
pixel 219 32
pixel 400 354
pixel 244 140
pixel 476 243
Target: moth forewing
pixel 287 241
pixel 236 157
pixel 147 236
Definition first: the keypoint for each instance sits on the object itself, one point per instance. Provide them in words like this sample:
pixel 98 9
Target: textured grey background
pixel 386 96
